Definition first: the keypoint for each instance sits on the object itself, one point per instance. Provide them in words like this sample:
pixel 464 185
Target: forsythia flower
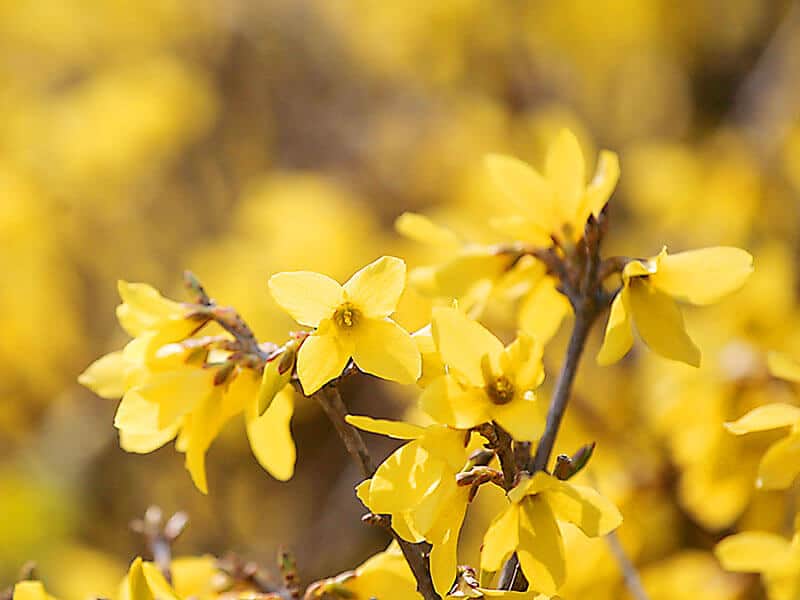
pixel 558 203
pixel 775 557
pixel 780 465
pixel 168 391
pixel 350 321
pixel 417 486
pixel 529 527
pixel 650 292
pixel 485 382
pixel 30 590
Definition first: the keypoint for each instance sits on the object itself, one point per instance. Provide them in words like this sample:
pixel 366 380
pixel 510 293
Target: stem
pixel 511 578
pixel 331 402
pixel 629 572
pixel 416 555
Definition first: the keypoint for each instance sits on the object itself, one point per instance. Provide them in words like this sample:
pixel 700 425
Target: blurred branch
pixel 629 572
pixel 160 538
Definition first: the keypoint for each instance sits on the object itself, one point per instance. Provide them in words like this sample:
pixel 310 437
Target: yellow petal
pixel 270 436
pixel 135 414
pixel 783 366
pixel 541 549
pixel 521 361
pixel 29 590
pixel 753 552
pixel 462 343
pixel 207 419
pixel 459 276
pixel 376 288
pixel 395 429
pixel 307 296
pixel 321 358
pixel 138 589
pixel 702 276
pixel 521 229
pixel 584 507
pixel 449 403
pixel 521 417
pixel 500 540
pixel 142 443
pixel 619 331
pixel 176 392
pixel 386 350
pixel 660 324
pixel 543 310
pixel 106 376
pixel 443 556
pixel 763 418
pixel 566 172
pixel 421 229
pixel 158 585
pixel 780 465
pixel 602 185
pixel 144 308
pixel 527 191
pixel 241 391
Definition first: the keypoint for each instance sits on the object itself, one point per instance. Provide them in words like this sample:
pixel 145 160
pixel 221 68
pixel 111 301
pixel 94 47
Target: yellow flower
pixel 168 390
pixel 30 590
pixel 529 527
pixel 350 321
pixel 559 202
pixel 417 486
pixel 484 381
pixel 773 556
pixel 780 465
pixel 651 290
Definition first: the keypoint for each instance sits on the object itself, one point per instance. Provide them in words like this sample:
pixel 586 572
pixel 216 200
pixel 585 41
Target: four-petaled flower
pixel 529 527
pixel 650 292
pixel 350 321
pixel 484 381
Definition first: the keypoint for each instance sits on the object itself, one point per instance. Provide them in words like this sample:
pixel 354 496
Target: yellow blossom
pixel 559 202
pixel 529 527
pixel 350 321
pixel 651 290
pixel 773 556
pixel 417 486
pixel 30 590
pixel 168 390
pixel 484 381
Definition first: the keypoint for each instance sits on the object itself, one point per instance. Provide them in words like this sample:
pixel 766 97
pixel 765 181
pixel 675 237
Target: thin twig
pixel 629 572
pixel 416 555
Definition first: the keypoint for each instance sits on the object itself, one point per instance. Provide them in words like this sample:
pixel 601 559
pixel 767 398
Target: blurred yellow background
pixel 238 138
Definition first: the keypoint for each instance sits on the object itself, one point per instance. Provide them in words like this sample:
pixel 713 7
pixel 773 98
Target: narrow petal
pixel 376 288
pixel 138 589
pixel 307 296
pixel 543 310
pixel 602 185
pixel 521 417
pixel 270 436
pixel 395 429
pixel 421 229
pixel 443 557
pixel 159 586
pixel 205 423
pixel 702 276
pixel 321 358
pixel 763 418
pixel 143 307
pixel 780 465
pixel 30 590
pixel 753 552
pixel 500 540
pixel 106 376
pixel 660 324
pixel 143 443
pixel 386 350
pixel 137 415
pixel 783 366
pixel 176 392
pixel 463 343
pixel 459 276
pixel 566 172
pixel 449 403
pixel 528 192
pixel 541 548
pixel 584 507
pixel 619 332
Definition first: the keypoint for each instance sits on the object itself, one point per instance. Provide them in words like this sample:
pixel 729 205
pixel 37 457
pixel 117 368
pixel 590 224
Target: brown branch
pixel 416 555
pixel 160 536
pixel 629 572
pixel 500 442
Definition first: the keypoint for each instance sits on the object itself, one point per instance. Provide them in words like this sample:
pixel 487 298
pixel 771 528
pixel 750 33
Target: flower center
pixel 346 315
pixel 500 390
